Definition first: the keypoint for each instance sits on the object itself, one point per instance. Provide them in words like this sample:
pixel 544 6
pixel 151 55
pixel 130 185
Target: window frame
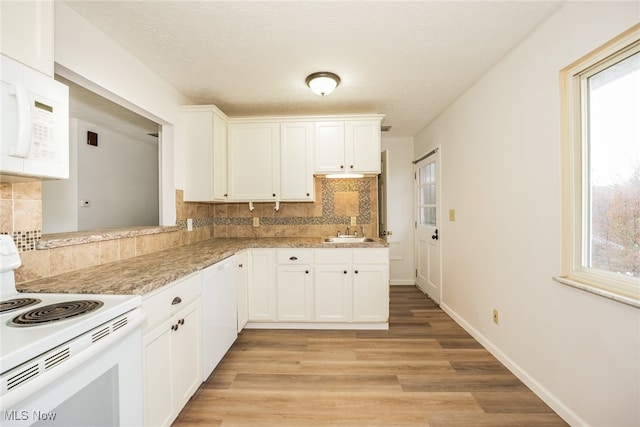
pixel 575 177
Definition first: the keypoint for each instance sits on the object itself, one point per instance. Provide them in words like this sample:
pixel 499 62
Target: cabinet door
pixel 242 281
pixel 362 146
pixel 204 135
pixel 185 352
pixel 254 161
pixel 296 161
pixel 26 31
pixel 159 408
pixel 295 293
pixel 219 158
pixel 370 293
pixel 333 293
pixel 262 285
pixel 329 147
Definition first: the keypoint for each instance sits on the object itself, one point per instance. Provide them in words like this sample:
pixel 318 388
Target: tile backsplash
pixel 336 202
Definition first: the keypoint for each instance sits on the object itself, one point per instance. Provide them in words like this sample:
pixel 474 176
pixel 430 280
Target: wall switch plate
pixel 496 318
pixel 452 214
pixel 189 224
pixel 353 220
pixel 256 221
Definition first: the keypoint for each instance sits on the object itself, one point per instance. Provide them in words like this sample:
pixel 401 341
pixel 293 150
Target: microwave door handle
pixel 24 121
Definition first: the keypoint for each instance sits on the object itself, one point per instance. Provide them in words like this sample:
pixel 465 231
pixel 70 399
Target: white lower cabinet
pixel 242 283
pixel 331 286
pixel 172 365
pixel 333 296
pixel 262 289
pixel 294 285
pixel 370 293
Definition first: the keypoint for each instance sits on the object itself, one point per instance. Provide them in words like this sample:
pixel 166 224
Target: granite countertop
pixel 143 274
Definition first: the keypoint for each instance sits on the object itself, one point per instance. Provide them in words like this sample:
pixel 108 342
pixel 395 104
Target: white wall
pixel 60 197
pixel 400 209
pixel 83 54
pixel 501 172
pixel 115 177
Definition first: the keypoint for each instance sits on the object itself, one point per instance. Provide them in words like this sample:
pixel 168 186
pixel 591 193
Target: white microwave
pixel 34 130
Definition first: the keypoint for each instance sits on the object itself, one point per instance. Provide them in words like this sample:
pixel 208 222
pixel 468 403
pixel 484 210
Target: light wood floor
pixel 424 371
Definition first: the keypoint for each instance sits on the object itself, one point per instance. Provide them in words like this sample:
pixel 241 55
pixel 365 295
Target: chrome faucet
pixel 348 230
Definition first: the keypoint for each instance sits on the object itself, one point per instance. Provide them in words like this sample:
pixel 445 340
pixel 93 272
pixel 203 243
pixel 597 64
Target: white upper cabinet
pixel 204 136
pixel 347 146
pixel 254 161
pixel 26 31
pixel 362 146
pixel 329 147
pixel 296 161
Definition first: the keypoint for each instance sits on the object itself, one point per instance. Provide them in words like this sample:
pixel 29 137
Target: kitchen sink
pixel 348 239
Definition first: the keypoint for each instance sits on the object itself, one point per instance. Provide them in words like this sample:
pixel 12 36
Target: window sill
pixel 625 299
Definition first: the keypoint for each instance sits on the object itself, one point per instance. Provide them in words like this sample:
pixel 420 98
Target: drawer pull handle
pixel 176 301
pixel 293 258
pixel 181 322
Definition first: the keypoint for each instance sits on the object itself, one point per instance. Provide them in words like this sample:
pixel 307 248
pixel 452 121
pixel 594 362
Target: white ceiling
pixel 407 60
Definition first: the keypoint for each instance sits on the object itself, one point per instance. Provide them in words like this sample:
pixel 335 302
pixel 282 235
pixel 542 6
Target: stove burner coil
pixel 16 303
pixel 53 312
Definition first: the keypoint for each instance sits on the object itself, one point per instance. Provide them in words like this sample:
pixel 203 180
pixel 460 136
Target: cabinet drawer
pixel 294 256
pixel 333 256
pixel 160 305
pixel 370 256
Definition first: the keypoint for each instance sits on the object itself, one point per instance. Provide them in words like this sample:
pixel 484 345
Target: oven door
pixel 104 388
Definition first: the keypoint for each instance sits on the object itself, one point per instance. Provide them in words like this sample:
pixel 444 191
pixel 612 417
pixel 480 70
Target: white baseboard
pixel 402 282
pixel 542 392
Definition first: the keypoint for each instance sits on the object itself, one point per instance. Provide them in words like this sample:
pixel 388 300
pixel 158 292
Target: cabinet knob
pixel 181 321
pixel 356 272
pixel 274 194
pixel 225 195
pixel 307 194
pixel 293 258
pixel 306 272
pixel 176 301
pixel 174 327
pixel 344 272
pixel 351 166
pixel 240 265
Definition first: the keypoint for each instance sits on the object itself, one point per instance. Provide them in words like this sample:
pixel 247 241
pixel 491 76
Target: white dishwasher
pixel 219 312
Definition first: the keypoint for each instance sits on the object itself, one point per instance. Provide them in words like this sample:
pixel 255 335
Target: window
pixel 427 194
pixel 601 170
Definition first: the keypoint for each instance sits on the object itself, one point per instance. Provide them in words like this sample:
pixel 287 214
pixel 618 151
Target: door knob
pixel 435 236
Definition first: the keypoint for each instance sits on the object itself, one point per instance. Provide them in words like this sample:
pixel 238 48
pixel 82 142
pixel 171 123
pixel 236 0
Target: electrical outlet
pixel 496 319
pixel 452 214
pixel 353 220
pixel 189 224
pixel 256 221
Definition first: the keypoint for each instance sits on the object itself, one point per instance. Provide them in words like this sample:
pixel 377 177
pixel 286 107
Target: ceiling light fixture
pixel 322 83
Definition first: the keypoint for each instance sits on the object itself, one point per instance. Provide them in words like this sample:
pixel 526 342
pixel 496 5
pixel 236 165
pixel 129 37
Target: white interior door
pixel 427 237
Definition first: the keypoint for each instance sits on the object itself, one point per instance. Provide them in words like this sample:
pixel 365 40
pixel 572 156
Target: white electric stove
pixel 46 336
